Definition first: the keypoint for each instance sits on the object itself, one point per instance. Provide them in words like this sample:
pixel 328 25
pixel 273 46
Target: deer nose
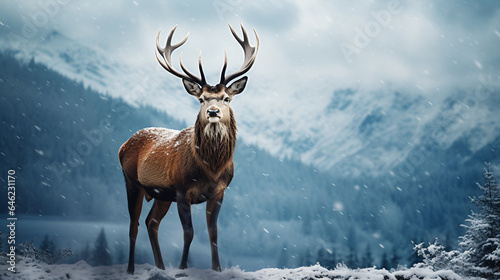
pixel 213 112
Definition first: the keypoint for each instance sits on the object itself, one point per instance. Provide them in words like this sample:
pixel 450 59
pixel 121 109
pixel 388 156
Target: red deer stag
pixel 190 166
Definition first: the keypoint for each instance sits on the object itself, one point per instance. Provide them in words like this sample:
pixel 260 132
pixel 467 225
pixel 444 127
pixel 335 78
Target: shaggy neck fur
pixel 214 143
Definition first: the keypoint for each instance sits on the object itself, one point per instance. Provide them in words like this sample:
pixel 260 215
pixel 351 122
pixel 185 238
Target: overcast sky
pixel 308 49
pixel 424 44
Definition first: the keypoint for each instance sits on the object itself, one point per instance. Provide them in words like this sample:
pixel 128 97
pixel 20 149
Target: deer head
pixel 214 100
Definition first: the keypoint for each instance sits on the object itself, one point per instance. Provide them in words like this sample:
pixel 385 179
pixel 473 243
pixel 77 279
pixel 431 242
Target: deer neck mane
pixel 214 144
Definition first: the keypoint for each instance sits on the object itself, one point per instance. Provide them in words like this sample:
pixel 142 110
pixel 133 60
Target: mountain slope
pixel 348 131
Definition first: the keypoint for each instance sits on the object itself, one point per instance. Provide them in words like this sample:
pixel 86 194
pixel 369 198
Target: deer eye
pixel 226 99
pixel 201 100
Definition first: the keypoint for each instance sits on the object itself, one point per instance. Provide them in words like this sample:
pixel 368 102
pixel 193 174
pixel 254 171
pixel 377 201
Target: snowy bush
pixel 436 257
pixel 46 255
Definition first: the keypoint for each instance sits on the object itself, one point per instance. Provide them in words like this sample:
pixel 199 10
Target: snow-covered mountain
pixel 347 131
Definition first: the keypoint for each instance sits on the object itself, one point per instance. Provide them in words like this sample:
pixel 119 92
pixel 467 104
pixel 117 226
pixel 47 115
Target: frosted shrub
pixel 30 251
pixel 436 257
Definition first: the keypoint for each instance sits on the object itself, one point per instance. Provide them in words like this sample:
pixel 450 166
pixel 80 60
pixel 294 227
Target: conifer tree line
pixel 101 252
pixel 98 254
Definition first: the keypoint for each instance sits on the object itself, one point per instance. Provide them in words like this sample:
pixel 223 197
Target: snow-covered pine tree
pixel 481 243
pixel 327 258
pixel 385 262
pixel 283 257
pixel 367 258
pixel 101 254
pixel 394 262
pixel 48 245
pixel 85 253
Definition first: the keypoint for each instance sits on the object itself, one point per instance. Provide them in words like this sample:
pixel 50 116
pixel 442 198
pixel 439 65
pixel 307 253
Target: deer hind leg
pixel 213 208
pixel 135 196
pixel 184 209
pixel 158 211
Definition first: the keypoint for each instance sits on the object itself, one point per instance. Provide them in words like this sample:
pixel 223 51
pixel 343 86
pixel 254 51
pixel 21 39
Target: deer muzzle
pixel 214 115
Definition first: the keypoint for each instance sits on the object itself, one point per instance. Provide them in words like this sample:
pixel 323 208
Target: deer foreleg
pixel 184 209
pixel 213 208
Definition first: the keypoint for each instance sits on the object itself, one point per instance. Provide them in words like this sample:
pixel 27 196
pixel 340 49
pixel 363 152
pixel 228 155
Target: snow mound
pixel 27 269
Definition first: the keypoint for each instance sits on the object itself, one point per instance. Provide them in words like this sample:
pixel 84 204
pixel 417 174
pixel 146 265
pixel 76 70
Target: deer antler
pixel 250 55
pixel 166 53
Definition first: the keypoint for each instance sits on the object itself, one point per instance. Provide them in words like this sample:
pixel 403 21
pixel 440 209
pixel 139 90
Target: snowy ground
pixel 27 269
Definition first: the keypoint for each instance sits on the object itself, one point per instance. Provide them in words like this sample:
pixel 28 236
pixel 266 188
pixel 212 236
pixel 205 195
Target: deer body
pixel 153 164
pixel 190 166
pixel 151 155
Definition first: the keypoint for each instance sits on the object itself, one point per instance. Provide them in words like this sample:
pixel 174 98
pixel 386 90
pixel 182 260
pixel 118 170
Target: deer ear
pixel 237 87
pixel 192 87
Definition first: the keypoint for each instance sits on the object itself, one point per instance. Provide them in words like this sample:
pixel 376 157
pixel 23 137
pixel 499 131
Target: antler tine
pixel 201 81
pixel 166 53
pixel 250 54
pixel 223 72
pixel 201 69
